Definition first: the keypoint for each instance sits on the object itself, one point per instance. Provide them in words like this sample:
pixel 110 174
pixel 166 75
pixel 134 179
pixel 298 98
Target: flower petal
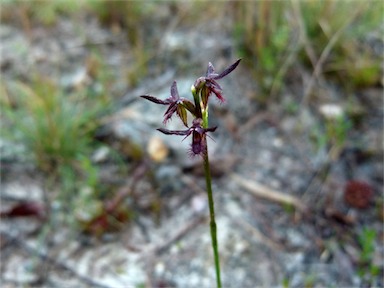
pixel 174 132
pixel 155 100
pixel 228 70
pixel 210 69
pixel 171 109
pixel 213 84
pixel 218 94
pixel 174 92
pixel 210 129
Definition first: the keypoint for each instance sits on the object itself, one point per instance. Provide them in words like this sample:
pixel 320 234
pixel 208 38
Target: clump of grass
pixel 351 60
pixel 328 37
pixel 128 17
pixel 368 270
pixel 262 34
pixel 43 12
pixel 333 135
pixel 55 128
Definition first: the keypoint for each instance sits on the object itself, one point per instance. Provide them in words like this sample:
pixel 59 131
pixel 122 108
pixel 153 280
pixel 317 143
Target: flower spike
pixel 201 90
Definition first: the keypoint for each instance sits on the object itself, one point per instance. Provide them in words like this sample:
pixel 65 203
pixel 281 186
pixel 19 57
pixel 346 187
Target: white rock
pixel 331 111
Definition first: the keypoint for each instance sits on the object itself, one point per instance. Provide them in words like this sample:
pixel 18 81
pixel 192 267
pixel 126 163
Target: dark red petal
pixel 210 69
pixel 218 94
pixel 171 109
pixel 210 129
pixel 175 132
pixel 213 84
pixel 228 70
pixel 155 100
pixel 174 92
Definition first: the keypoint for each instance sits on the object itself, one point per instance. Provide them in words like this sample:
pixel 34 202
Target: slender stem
pixel 207 172
pixel 212 216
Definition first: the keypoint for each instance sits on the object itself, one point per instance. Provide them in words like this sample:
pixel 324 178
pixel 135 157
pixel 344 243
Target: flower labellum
pixel 198 135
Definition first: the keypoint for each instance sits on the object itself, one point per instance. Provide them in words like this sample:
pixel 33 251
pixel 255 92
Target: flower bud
pixel 193 89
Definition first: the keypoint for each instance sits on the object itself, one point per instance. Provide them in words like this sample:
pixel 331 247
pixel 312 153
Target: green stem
pixel 212 216
pixel 207 172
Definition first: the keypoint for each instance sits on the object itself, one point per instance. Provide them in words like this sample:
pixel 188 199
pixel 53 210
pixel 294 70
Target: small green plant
pixel 334 134
pixel 310 280
pixel 366 239
pixel 55 128
pixel 285 282
pixel 128 17
pixel 336 130
pixel 202 89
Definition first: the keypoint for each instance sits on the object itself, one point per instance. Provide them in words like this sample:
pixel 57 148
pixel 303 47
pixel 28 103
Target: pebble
pixel 100 155
pixel 157 149
pixel 331 111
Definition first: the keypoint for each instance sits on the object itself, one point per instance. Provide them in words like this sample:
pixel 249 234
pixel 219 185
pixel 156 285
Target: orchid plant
pixel 202 89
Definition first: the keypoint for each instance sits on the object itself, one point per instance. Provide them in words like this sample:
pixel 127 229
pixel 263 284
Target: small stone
pixel 100 155
pixel 75 80
pixel 331 111
pixel 159 268
pixel 199 203
pixel 157 150
pixel 278 142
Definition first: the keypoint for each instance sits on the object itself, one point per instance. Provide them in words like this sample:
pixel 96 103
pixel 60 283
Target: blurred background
pixel 93 196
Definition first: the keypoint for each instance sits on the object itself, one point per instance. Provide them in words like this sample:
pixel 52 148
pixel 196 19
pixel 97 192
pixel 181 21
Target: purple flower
pixel 208 84
pixel 199 140
pixel 176 104
pixel 201 90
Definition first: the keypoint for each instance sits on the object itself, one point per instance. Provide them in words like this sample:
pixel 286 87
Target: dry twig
pixel 265 192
